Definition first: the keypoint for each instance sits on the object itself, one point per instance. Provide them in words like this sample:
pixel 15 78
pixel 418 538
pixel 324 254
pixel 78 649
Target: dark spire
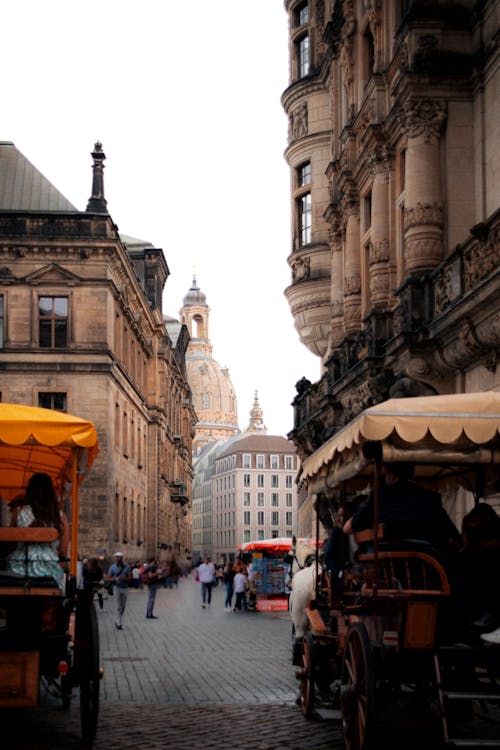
pixel 97 202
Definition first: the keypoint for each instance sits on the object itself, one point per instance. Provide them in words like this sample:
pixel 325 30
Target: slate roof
pixel 24 188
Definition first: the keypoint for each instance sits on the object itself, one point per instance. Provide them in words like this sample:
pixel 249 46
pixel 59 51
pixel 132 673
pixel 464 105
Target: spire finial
pixel 97 202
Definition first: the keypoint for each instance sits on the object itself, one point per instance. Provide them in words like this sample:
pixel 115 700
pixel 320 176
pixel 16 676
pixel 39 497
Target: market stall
pixel 270 571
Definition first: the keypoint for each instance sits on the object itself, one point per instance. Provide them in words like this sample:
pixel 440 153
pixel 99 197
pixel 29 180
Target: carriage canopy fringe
pixel 461 428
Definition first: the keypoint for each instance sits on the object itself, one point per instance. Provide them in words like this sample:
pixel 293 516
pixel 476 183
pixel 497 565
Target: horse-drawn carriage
pixel 393 629
pixel 48 628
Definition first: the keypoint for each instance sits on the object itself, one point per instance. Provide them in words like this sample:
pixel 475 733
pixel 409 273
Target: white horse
pixel 303 584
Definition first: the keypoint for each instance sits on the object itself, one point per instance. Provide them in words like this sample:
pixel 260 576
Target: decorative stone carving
pixel 424 252
pixel 299 124
pixel 464 348
pixel 423 116
pixel 301 268
pixel 443 291
pixel 481 260
pixel 373 12
pixel 367 116
pixel 346 57
pixel 423 214
pixel 378 252
pixel 352 284
pixel 403 58
pixel 400 318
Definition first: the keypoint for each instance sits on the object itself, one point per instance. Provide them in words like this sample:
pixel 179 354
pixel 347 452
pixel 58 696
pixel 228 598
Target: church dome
pixel 195 296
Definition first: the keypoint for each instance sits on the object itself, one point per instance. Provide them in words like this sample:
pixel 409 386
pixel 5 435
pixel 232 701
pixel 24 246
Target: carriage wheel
pixel 357 690
pixel 307 678
pixel 87 667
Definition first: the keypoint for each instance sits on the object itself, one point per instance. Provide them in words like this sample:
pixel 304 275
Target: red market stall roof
pixel 280 544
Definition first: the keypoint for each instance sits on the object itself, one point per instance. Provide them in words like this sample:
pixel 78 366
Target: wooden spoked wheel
pixel 87 668
pixel 357 689
pixel 307 678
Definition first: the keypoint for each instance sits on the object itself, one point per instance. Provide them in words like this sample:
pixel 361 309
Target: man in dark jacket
pixel 407 510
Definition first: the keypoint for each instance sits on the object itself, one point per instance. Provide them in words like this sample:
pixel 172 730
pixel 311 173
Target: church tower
pixel 214 398
pixel 256 423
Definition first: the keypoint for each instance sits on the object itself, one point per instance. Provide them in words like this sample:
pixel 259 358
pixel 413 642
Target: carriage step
pixel 474 695
pixel 472 743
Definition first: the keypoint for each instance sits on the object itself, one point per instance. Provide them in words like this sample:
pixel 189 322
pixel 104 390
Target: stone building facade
pixel 82 331
pixel 393 147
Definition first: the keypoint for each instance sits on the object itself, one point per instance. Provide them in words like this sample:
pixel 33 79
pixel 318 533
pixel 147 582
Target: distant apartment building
pixel 254 491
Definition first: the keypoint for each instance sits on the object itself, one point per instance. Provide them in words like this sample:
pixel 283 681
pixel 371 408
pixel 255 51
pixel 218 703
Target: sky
pixel 185 99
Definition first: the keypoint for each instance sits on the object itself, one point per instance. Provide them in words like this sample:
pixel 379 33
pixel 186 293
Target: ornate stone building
pixel 82 331
pixel 214 398
pixel 394 151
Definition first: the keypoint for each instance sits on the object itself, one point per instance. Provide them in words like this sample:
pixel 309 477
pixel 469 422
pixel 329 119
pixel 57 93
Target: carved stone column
pixel 423 222
pixel 352 266
pixel 337 288
pixel 379 250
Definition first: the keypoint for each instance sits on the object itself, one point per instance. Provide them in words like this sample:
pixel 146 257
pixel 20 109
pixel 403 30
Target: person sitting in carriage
pixel 408 512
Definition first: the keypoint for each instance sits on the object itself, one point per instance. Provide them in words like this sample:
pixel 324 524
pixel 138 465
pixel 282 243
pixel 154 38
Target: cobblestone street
pixel 191 678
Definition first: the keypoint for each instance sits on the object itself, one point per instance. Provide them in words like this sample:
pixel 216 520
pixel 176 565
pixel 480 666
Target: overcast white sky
pixel 185 98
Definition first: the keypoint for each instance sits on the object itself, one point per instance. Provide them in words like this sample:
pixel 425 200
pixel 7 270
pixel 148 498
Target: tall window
pixel 260 518
pixel 246 480
pixel 246 535
pixel 246 517
pixel 304 174
pixel 303 56
pixel 246 498
pixel 1 321
pixel 301 14
pixel 246 461
pixel 260 499
pixel 53 322
pixel 260 480
pixel 274 462
pixel 275 500
pixel 260 461
pixel 305 218
pixel 288 481
pixel 56 401
pixel 275 518
pixel 288 463
pixel 289 519
pixel 275 481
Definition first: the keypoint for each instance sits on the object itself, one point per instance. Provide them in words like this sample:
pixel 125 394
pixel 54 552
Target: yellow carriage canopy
pixel 456 430
pixel 34 439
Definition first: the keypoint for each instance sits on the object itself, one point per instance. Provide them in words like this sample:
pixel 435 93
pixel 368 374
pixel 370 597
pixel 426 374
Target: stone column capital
pixel 423 116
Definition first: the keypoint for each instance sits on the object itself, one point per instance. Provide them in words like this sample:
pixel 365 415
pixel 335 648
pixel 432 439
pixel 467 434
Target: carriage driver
pixel 407 510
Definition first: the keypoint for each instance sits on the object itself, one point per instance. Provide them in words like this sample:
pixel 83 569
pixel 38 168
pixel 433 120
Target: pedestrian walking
pixel 136 576
pixel 120 574
pixel 239 588
pixel 206 574
pixel 150 577
pixel 229 573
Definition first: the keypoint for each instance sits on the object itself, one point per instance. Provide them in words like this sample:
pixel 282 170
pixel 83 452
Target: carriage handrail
pixel 406 573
